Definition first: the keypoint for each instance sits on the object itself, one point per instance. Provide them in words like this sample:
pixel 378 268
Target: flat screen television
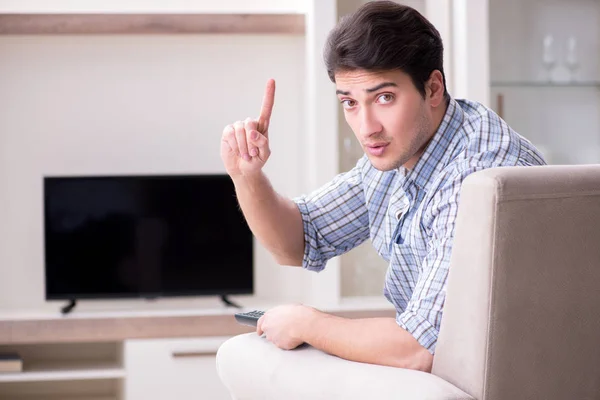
pixel 144 236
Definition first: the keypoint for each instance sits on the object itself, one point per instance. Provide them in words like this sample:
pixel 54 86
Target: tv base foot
pixel 228 302
pixel 69 307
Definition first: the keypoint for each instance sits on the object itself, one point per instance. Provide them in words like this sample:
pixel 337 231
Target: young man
pixel 420 144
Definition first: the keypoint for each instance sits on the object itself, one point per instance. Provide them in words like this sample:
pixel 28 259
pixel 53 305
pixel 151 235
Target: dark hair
pixel 383 35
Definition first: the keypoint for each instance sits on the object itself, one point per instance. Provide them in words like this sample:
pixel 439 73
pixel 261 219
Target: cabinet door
pixel 182 369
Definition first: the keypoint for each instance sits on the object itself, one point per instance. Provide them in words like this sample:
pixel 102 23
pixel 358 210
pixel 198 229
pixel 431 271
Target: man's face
pixel 388 115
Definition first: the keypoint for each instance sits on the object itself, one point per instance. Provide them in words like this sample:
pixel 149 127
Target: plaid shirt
pixel 410 215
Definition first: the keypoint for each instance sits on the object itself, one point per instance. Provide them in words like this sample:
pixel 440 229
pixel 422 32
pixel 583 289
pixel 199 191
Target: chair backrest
pixel 522 313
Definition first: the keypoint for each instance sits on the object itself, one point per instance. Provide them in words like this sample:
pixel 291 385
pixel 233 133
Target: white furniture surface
pixel 311 374
pixel 182 369
pixel 136 369
pixel 65 371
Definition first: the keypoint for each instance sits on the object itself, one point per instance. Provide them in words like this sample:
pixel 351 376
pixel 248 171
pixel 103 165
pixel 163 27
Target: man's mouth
pixel 376 149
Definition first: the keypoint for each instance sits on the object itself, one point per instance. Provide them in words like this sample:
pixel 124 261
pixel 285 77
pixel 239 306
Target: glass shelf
pixel 543 84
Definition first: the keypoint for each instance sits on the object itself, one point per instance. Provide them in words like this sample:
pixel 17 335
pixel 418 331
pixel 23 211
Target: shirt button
pixel 398 214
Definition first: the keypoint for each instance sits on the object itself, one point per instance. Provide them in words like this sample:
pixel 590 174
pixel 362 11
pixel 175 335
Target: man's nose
pixel 369 124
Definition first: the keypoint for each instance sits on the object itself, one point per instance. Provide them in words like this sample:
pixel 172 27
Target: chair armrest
pixel 253 368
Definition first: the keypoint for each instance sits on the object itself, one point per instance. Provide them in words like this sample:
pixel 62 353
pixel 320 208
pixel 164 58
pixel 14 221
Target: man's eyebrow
pixel 381 86
pixel 370 90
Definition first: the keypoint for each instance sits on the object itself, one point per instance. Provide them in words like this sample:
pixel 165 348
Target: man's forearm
pixel 372 340
pixel 274 219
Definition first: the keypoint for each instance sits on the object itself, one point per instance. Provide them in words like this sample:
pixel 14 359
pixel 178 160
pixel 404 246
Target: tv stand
pixel 228 302
pixel 69 307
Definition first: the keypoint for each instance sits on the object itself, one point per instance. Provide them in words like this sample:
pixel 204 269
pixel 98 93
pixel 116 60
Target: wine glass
pixel 548 56
pixel 571 60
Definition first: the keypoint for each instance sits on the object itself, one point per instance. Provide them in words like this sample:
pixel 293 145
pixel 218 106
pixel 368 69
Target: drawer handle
pixel 191 354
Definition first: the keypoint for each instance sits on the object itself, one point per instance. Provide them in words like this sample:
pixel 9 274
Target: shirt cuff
pixel 312 259
pixel 422 330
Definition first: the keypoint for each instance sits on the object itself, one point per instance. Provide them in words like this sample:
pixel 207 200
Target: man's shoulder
pixel 449 181
pixel 490 141
pixel 473 108
pixel 480 119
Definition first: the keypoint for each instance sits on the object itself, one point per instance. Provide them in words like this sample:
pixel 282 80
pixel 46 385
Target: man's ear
pixel 435 88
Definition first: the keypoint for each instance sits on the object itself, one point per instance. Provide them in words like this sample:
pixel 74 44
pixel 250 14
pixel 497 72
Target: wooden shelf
pixel 118 328
pixel 65 371
pixel 542 84
pixel 57 24
pixel 81 330
pixel 60 398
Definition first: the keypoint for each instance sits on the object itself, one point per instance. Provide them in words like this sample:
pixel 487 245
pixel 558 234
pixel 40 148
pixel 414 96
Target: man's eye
pixel 348 103
pixel 386 98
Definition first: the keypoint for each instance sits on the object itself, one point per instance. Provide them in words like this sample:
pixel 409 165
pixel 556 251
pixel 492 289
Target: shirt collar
pixel 437 154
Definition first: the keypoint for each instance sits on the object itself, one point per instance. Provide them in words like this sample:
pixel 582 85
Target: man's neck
pixel 438 116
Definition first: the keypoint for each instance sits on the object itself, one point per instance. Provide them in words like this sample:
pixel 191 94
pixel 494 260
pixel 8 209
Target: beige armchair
pixel 522 314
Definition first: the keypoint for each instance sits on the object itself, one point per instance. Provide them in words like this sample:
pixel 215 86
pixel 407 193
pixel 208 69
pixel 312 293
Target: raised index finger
pixel 267 106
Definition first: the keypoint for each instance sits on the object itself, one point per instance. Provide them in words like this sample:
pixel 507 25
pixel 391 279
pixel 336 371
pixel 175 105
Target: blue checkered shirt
pixel 410 215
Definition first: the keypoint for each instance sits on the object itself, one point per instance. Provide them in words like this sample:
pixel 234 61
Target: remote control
pixel 249 318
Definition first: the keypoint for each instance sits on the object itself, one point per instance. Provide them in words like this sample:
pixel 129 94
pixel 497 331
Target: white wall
pixel 152 6
pixel 134 104
pixel 148 104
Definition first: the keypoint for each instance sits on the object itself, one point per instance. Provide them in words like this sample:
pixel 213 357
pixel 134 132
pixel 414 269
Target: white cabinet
pixel 536 64
pixel 165 369
pixel 545 74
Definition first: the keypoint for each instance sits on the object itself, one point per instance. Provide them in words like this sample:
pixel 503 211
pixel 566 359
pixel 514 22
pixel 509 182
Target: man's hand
pixel 245 144
pixel 285 325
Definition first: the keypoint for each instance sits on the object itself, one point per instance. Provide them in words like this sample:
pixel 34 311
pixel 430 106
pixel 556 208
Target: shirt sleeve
pixel 423 314
pixel 334 217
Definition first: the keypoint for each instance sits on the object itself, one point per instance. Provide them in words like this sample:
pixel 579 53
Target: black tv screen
pixel 145 236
